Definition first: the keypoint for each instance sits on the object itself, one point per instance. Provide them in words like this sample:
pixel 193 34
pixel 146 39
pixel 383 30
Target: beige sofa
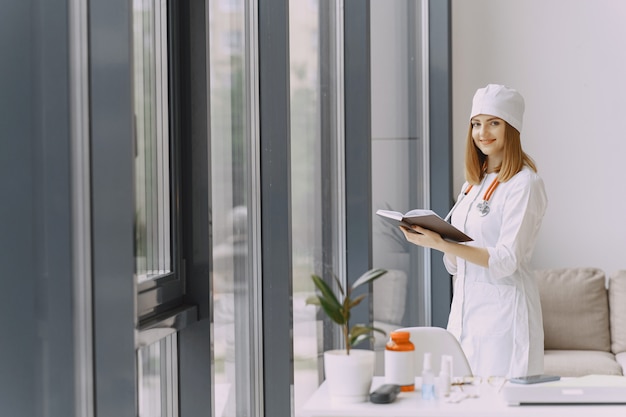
pixel 584 320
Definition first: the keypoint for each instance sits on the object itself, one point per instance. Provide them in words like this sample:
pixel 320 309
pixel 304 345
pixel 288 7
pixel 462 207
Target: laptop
pixel 590 389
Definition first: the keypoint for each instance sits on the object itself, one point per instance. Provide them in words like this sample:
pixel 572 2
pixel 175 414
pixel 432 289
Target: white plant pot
pixel 349 377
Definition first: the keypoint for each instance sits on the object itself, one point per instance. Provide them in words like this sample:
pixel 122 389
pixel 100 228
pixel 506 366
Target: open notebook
pixel 590 389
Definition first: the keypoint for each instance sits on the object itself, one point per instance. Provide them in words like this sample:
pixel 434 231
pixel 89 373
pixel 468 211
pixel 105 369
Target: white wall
pixel 568 59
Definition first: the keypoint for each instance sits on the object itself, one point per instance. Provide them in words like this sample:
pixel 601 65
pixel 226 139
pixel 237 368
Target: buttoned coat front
pixel 496 311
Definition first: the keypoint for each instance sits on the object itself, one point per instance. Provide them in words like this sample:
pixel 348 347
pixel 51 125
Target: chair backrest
pixel 390 297
pixel 438 342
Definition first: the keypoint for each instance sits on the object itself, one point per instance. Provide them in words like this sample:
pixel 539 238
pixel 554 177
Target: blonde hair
pixel 513 161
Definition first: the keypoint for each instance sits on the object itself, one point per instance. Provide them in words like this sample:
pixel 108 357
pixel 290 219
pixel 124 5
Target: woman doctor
pixel 495 312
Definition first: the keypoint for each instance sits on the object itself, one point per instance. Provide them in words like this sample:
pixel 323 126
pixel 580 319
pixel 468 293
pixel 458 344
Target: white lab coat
pixel 496 313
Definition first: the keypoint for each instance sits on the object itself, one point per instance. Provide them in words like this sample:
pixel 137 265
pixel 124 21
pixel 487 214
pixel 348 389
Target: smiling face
pixel 488 133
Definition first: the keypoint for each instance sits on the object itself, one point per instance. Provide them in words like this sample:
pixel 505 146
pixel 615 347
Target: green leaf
pixel 327 292
pixel 335 313
pixel 368 276
pixel 360 333
pixel 381 331
pixel 359 329
pixel 356 301
pixel 359 339
pixel 339 285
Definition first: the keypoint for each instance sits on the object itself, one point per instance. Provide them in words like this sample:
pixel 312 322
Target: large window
pixel 143 281
pixel 399 157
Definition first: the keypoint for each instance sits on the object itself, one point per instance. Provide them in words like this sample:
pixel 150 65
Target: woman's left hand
pixel 429 239
pixel 423 237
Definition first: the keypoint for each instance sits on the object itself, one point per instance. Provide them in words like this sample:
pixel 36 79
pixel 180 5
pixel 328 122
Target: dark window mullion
pixel 274 117
pixel 194 342
pixel 112 206
pixel 358 142
pixel 440 145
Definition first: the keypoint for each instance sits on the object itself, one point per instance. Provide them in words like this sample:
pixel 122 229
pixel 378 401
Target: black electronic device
pixel 385 394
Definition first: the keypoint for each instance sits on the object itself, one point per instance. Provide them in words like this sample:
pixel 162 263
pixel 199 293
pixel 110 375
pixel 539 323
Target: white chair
pixel 437 341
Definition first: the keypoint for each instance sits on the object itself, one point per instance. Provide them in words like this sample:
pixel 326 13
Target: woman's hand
pixel 423 237
pixel 429 239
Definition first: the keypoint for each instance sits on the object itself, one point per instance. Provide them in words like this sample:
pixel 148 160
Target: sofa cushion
pixel 579 363
pixel 617 308
pixel 575 307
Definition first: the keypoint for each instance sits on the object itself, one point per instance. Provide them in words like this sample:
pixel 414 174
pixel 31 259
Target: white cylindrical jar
pixel 400 361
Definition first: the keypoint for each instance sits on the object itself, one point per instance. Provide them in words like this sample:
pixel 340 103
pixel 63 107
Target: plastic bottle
pixel 444 380
pixel 428 378
pixel 400 361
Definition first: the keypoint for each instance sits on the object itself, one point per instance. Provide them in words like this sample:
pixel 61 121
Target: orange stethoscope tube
pixel 483 207
pixel 492 187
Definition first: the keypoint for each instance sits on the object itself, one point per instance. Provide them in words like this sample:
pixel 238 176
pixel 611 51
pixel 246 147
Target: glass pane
pixel 397 158
pixel 230 187
pixel 158 376
pixel 152 156
pixel 314 143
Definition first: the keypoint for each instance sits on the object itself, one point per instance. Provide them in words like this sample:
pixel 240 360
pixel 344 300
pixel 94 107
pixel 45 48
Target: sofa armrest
pixel 621 359
pixel 617 309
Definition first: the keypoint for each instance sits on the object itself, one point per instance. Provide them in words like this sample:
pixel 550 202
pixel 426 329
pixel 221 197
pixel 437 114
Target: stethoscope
pixel 482 207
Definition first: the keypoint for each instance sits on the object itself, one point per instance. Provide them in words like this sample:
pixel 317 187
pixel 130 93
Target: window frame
pixel 157 296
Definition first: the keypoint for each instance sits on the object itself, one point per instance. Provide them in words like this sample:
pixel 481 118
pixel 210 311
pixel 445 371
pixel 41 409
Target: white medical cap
pixel 500 101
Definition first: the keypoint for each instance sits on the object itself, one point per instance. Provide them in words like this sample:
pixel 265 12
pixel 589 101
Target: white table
pixel 488 404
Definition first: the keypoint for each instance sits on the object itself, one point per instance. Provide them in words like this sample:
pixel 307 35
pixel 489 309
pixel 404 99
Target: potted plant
pixel 348 371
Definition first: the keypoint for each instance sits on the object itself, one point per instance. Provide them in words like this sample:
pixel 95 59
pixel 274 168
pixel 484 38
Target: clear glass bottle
pixel 428 378
pixel 443 382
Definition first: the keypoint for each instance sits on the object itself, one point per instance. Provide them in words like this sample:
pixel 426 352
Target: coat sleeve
pixel 523 213
pixel 449 262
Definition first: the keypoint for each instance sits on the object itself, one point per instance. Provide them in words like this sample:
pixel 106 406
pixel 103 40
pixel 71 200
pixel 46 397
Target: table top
pixel 486 403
